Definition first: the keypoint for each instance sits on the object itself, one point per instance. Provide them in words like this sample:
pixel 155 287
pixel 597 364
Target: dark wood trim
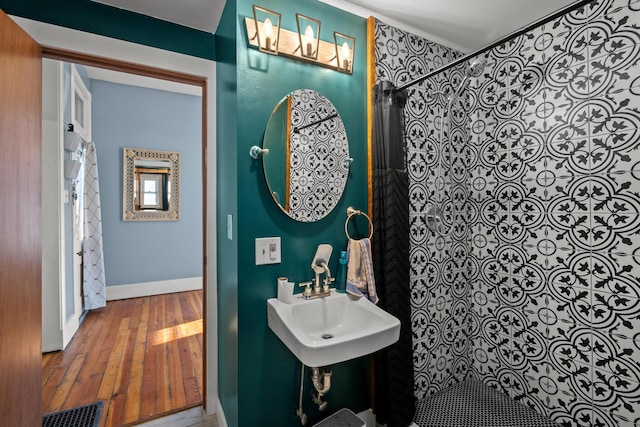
pixel 204 243
pixel 123 66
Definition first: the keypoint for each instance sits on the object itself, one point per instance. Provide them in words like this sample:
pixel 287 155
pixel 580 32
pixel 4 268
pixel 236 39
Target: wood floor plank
pixel 84 390
pixel 148 407
pixel 55 378
pixel 63 389
pixel 134 389
pixel 194 300
pixel 143 356
pixel 101 347
pixel 115 358
pixel 174 322
pixel 195 353
pixel 82 343
pixel 191 369
pixel 107 414
pixel 163 399
pixel 87 383
pixel 118 401
pixel 49 361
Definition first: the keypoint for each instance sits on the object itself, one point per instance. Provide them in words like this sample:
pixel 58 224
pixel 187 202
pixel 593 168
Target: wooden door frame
pixel 178 77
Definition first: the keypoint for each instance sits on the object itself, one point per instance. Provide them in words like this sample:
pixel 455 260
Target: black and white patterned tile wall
pixel 440 303
pixel 550 273
pixel 555 217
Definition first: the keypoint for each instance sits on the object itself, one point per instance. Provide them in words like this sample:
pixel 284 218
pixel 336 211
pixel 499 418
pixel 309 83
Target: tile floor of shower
pixel 472 403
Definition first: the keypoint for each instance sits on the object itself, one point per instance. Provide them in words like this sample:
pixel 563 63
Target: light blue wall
pixel 127 116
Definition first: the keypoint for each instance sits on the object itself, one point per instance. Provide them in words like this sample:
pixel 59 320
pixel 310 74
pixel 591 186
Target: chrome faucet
pixel 327 276
pixel 319 266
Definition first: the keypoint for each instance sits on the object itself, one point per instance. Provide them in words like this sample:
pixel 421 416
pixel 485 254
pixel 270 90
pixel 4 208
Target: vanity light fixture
pixel 345 47
pixel 309 35
pixel 265 33
pixel 267 29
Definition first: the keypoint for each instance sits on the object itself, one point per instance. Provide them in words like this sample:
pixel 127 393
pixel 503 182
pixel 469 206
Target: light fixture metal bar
pixel 289 46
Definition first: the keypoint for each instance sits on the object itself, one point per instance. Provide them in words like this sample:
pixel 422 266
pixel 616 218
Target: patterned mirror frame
pixel 129 213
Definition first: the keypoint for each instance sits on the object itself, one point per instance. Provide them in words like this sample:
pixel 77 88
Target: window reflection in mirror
pixel 150 185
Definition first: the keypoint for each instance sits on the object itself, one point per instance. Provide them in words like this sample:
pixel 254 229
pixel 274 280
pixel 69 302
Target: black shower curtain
pixel 394 399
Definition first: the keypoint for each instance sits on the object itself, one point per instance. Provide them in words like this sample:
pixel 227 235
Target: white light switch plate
pixel 267 250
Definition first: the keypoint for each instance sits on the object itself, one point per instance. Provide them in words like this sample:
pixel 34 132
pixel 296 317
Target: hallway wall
pixel 137 252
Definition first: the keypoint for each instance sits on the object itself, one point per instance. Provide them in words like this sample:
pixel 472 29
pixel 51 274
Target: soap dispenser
pixel 341 277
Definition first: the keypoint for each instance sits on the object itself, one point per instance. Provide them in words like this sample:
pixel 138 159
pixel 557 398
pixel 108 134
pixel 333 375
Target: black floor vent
pixel 82 416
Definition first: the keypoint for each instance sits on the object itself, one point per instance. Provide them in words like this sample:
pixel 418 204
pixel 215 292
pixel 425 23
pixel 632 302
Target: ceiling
pixel 466 25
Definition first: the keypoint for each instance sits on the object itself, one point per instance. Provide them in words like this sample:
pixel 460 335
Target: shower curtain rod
pixel 500 41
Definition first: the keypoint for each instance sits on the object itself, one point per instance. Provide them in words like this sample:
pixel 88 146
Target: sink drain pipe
pixel 321 379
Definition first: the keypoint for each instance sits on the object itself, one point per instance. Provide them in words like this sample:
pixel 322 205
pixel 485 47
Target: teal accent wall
pixel 264 391
pixel 96 18
pixel 227 206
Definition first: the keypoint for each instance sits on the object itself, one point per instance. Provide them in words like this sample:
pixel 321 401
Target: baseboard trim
pixel 145 289
pixel 222 420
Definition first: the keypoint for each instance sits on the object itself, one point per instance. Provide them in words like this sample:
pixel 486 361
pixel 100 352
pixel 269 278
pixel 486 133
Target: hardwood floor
pixel 142 356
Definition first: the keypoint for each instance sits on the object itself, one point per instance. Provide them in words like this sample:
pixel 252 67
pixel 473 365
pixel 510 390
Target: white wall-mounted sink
pixel 332 329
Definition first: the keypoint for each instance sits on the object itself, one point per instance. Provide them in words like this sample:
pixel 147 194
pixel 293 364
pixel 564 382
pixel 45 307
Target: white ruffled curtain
pixel 94 284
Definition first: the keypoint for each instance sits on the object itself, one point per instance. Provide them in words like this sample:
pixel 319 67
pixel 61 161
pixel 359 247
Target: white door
pixel 81 120
pixel 77 218
pixel 53 207
pixel 62 201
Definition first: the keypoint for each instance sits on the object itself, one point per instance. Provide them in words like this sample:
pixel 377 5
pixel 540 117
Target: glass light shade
pixel 309 35
pixel 345 49
pixel 267 24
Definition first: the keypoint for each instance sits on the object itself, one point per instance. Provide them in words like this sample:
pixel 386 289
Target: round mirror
pixel 308 162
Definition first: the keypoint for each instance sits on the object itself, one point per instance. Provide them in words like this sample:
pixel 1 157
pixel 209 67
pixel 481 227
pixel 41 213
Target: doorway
pixel 193 325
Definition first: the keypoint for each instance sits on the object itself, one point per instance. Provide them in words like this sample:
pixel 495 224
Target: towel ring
pixel 351 212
